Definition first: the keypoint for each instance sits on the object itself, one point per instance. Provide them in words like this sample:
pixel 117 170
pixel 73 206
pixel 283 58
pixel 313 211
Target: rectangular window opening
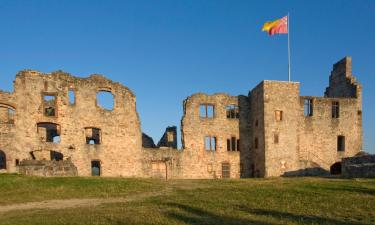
pixel 95 168
pixel 308 107
pixel 276 138
pixel 233 144
pixel 72 98
pixel 210 143
pixel 341 143
pixel 49 105
pixel 206 111
pixel 49 132
pixel 93 136
pixel 278 115
pixel 232 112
pixel 335 109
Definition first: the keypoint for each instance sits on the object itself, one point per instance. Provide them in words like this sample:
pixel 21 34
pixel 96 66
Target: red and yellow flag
pixel 279 26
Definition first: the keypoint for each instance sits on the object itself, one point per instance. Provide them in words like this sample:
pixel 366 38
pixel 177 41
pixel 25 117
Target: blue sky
pixel 167 50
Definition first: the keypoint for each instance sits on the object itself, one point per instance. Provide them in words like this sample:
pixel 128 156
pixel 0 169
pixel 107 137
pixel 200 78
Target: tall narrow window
pixel 335 109
pixel 341 143
pixel 206 110
pixel 210 143
pixel 256 143
pixel 278 115
pixel 233 144
pixel 72 97
pixel 275 138
pixel 308 107
pixel 232 112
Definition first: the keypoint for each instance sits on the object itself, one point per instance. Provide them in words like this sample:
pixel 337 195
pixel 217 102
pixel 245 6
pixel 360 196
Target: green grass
pixel 216 202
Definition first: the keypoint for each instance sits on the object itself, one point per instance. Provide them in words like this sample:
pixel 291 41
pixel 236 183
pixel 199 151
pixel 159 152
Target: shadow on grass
pixel 294 218
pixel 194 215
pixel 358 190
pixel 340 189
pixel 184 214
pixel 314 172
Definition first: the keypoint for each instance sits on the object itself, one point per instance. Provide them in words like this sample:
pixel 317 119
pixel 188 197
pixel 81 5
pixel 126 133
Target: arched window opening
pixel 105 99
pixel 3 161
pixel 336 168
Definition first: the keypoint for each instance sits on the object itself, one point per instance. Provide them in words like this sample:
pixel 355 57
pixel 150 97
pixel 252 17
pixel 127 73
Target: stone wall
pixel 359 167
pixel 202 163
pixel 319 132
pixel 165 163
pixel 281 120
pixel 46 168
pixel 119 129
pixel 263 134
pixel 256 140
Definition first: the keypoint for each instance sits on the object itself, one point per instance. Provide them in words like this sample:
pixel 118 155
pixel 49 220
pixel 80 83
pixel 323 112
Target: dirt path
pixel 88 202
pixel 72 203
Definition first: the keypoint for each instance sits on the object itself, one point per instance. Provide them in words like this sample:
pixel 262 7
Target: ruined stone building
pixel 52 125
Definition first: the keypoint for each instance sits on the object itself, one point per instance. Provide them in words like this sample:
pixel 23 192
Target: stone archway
pixel 3 161
pixel 336 169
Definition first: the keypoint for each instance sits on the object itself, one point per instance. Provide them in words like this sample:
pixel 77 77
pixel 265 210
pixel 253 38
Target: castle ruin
pixel 52 125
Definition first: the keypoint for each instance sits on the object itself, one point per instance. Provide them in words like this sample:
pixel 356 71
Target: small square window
pixel 93 136
pixel 232 112
pixel 206 111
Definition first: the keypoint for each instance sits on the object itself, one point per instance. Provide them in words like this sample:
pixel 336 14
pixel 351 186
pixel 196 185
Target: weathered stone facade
pixel 271 132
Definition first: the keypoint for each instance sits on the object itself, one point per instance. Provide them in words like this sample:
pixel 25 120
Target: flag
pixel 279 26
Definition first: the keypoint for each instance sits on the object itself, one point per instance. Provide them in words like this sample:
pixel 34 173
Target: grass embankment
pixel 248 201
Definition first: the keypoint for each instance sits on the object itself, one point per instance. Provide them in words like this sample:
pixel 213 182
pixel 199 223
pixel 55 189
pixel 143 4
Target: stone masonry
pixel 54 120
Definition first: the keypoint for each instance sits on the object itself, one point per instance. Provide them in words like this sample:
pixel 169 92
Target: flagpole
pixel 288 49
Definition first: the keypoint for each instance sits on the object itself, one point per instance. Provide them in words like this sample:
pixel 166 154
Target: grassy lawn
pixel 216 202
